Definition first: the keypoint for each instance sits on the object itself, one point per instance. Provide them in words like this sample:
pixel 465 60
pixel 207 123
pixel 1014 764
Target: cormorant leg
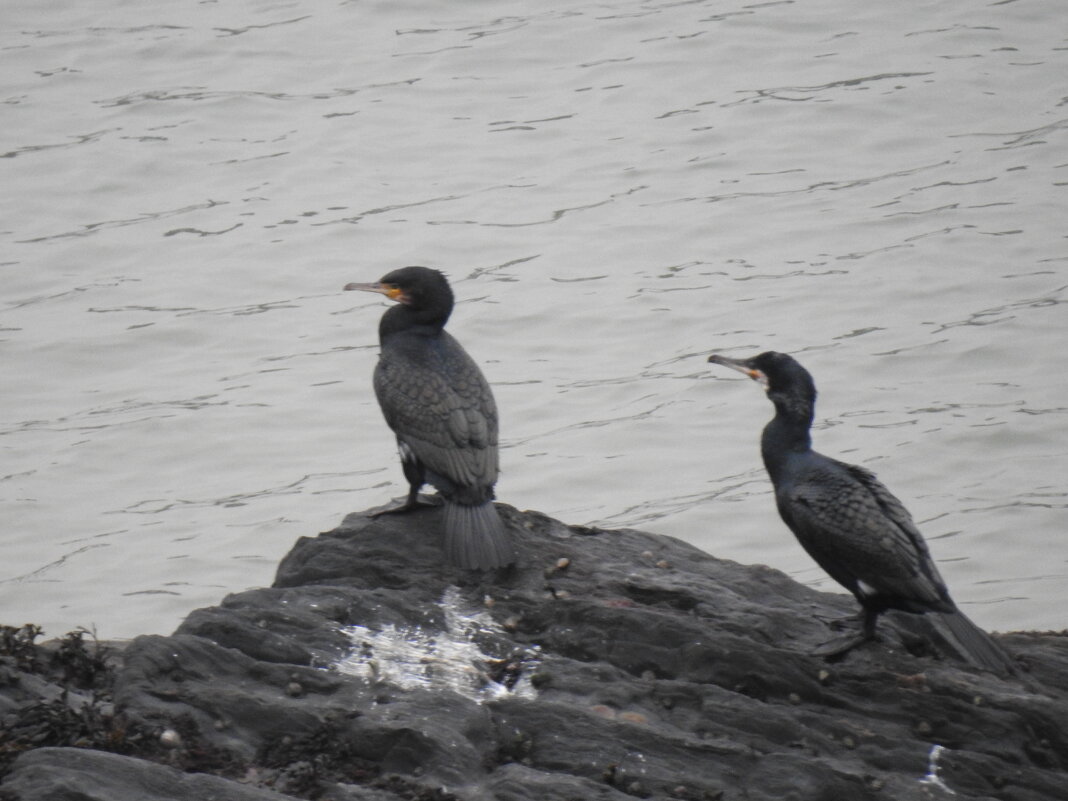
pixel 416 475
pixel 870 616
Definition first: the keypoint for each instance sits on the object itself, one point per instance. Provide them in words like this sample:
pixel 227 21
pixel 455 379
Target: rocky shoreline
pixel 607 665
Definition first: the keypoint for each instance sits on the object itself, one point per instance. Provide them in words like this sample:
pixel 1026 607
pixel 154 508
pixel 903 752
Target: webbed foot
pixel 840 646
pixel 410 505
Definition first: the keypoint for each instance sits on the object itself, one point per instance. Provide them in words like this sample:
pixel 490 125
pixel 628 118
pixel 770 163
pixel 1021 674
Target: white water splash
pixel 932 776
pixel 451 659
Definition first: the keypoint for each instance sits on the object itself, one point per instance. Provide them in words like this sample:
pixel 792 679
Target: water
pixel 414 658
pixel 616 190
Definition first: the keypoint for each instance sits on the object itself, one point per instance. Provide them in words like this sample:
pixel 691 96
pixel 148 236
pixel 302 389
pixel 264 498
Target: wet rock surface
pixel 607 665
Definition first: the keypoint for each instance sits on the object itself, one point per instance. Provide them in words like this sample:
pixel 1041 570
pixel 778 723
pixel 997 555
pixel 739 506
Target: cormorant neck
pixel 788 432
pixel 404 317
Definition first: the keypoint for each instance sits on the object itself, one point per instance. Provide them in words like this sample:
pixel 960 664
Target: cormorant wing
pixel 443 410
pixel 861 534
pixel 896 512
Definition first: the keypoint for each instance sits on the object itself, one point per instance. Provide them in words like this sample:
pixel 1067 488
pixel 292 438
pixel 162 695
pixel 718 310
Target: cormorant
pixel 439 405
pixel 850 523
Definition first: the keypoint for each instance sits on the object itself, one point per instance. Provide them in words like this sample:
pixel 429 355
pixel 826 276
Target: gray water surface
pixel 616 189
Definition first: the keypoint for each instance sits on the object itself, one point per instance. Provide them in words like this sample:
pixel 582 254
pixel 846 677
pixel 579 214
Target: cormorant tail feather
pixel 475 537
pixel 972 643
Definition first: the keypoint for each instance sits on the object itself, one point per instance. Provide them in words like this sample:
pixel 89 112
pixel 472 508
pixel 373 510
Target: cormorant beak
pixel 391 291
pixel 742 366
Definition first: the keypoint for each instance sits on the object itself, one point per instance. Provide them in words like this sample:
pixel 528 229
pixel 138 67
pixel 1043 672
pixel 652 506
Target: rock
pixel 607 665
pixel 76 774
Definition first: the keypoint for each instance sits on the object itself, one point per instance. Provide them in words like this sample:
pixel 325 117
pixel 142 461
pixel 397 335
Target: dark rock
pixel 76 774
pixel 607 665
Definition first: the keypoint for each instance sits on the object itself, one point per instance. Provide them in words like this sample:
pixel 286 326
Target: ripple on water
pixel 616 190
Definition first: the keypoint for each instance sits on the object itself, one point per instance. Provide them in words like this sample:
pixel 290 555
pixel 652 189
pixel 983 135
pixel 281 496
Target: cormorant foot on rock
pixel 440 406
pixel 851 524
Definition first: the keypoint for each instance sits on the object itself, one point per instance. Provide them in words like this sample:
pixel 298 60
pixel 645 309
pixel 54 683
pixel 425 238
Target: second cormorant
pixel 440 406
pixel 850 523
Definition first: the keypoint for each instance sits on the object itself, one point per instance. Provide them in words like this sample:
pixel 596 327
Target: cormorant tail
pixel 972 643
pixel 475 537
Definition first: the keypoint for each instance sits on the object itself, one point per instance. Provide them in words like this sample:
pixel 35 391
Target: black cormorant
pixel 439 405
pixel 848 521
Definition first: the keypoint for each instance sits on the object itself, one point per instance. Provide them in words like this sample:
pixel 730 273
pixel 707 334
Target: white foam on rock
pixel 451 659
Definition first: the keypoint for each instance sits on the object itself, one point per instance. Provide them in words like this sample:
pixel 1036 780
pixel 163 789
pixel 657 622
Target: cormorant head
pixel 781 375
pixel 419 288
